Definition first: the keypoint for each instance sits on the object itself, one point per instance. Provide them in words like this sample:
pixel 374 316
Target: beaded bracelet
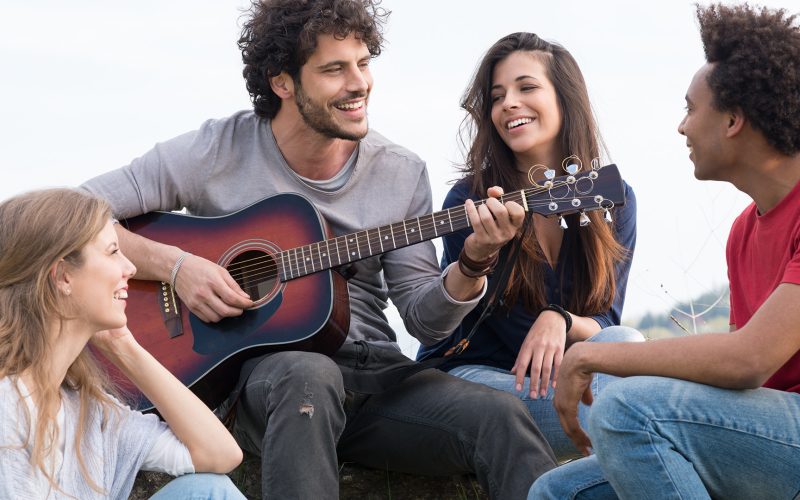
pixel 174 274
pixel 475 269
pixel 563 312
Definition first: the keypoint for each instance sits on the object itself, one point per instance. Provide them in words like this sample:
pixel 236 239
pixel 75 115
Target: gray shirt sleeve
pixel 416 285
pixel 165 178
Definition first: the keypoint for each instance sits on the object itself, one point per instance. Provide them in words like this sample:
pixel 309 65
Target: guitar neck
pixel 342 250
pixel 561 195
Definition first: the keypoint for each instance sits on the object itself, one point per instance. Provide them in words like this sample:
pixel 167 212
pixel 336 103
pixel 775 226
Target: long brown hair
pixel 490 162
pixel 38 230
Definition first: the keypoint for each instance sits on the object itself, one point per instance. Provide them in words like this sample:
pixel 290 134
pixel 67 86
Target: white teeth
pixel 351 105
pixel 518 122
pixel 122 294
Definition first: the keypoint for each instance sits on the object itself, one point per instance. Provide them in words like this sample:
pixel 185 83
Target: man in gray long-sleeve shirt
pixel 307 70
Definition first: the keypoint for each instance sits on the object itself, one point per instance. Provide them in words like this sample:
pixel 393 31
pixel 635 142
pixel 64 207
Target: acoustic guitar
pixel 280 252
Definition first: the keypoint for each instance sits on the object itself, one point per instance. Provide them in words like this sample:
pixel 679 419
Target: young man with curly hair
pixel 713 415
pixel 307 68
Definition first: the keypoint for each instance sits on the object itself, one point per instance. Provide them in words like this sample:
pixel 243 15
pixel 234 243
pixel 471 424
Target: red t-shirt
pixel 763 251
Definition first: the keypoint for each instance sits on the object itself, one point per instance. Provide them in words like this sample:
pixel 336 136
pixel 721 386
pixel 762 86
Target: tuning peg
pixel 607 216
pixel 562 222
pixel 585 220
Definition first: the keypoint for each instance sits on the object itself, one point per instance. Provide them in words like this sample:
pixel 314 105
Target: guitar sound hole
pixel 256 272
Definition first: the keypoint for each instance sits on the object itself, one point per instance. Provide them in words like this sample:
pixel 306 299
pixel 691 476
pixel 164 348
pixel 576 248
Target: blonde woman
pixel 63 284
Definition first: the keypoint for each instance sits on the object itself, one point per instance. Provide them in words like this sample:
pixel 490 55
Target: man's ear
pixel 282 85
pixel 736 122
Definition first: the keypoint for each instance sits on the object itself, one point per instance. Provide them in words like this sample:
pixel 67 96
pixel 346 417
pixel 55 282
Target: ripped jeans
pixel 296 411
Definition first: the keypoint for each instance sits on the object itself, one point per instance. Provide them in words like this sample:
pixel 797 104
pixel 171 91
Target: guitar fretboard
pixel 342 250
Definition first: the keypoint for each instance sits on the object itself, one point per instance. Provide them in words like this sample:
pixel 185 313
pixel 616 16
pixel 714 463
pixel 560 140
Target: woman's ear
pixel 61 277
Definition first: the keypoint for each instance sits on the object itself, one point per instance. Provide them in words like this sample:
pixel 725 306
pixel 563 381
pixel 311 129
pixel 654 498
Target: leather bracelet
pixel 475 269
pixel 563 312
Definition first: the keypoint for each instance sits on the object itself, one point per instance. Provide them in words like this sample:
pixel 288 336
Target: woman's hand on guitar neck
pixel 493 225
pixel 209 291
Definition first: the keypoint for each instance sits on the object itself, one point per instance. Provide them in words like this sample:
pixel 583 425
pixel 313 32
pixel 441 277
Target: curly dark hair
pixel 281 35
pixel 756 57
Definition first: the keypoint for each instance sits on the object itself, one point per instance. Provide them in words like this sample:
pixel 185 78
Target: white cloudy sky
pixel 86 86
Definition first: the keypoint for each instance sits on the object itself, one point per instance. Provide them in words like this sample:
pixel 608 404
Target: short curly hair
pixel 281 35
pixel 756 57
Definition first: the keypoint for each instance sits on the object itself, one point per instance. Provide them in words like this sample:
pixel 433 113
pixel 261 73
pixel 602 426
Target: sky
pixel 87 86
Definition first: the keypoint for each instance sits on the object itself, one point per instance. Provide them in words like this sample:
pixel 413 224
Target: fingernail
pixel 519 387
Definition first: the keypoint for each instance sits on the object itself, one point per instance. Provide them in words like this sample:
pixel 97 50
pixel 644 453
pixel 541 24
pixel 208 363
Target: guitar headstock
pixel 596 189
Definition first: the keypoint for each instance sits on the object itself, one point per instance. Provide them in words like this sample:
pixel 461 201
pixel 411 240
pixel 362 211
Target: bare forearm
pixel 460 287
pixel 582 328
pixel 722 359
pixel 153 260
pixel 211 446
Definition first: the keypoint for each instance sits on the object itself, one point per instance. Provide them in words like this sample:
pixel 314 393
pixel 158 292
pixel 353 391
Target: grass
pixel 355 482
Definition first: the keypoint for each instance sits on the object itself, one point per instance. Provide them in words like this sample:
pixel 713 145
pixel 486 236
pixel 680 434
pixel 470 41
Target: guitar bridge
pixel 170 310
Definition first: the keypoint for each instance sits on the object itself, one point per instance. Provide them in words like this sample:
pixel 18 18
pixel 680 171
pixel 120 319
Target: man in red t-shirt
pixel 714 414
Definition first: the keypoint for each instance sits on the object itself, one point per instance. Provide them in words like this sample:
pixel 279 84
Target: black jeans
pixel 297 411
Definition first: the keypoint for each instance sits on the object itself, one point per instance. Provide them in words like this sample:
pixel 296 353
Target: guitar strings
pixel 423 226
pixel 301 268
pixel 264 267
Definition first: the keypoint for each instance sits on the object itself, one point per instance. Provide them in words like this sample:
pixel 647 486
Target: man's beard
pixel 320 119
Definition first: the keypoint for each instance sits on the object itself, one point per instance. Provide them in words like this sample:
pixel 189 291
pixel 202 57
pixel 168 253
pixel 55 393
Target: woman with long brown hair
pixel 529 115
pixel 63 284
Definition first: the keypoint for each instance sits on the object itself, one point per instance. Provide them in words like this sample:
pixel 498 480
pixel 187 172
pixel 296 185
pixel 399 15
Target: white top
pixel 168 454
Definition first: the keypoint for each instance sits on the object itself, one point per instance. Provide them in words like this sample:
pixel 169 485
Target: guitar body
pixel 310 313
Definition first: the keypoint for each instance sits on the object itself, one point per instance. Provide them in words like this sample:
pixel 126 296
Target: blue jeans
pixel 200 486
pixel 663 438
pixel 542 410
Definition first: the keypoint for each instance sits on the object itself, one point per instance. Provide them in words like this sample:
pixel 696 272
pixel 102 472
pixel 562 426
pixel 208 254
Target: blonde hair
pixel 38 230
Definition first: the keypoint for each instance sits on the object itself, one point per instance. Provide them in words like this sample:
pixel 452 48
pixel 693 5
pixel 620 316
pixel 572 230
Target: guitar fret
pixel 302 260
pixel 380 240
pixel 405 232
pixel 461 217
pixel 358 249
pixel 346 250
pixel 440 222
pixel 299 260
pixel 283 263
pixel 369 245
pixel 338 255
pixel 420 229
pixel 328 252
pixel 295 266
pixel 319 257
pixel 307 259
pixel 391 230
